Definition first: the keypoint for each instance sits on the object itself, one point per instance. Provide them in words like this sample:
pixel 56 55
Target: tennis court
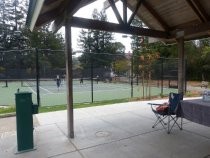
pixel 51 95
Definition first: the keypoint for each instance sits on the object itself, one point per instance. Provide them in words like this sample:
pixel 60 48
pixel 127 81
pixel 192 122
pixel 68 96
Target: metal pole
pixel 6 76
pixel 132 76
pixel 185 79
pixel 6 83
pixel 69 75
pixel 37 76
pixel 162 77
pixel 91 78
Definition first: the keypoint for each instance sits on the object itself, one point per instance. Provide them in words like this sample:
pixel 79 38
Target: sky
pixel 86 12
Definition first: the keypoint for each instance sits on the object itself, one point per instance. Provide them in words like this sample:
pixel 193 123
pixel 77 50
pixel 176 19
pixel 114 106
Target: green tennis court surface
pixel 51 95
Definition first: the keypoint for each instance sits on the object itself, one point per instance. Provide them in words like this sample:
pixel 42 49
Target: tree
pixel 122 66
pixel 14 36
pixel 205 60
pixel 46 40
pixel 137 42
pixel 13 14
pixel 96 45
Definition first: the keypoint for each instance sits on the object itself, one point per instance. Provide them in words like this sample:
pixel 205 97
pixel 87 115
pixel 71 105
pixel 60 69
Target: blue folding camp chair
pixel 169 110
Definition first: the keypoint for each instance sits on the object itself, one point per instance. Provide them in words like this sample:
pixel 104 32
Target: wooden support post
pixel 125 11
pixel 69 76
pixel 181 65
pixel 116 12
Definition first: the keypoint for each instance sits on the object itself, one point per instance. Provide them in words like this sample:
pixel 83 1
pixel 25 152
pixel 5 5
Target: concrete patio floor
pixel 112 131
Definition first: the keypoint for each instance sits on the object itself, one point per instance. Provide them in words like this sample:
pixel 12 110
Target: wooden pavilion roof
pixel 166 19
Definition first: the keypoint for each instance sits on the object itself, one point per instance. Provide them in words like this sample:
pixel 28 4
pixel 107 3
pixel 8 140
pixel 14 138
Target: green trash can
pixel 24 121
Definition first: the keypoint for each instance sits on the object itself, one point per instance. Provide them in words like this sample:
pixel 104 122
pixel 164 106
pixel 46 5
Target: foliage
pixel 97 46
pixel 24 39
pixel 2 69
pixel 193 61
pixel 14 36
pixel 12 13
pixel 46 40
pixel 197 54
pixel 121 66
pixel 205 59
pixel 137 42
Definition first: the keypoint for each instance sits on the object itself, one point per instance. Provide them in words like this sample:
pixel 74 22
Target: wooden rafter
pixel 124 11
pixel 155 15
pixel 117 14
pixel 201 10
pixel 113 27
pixel 135 11
pixel 71 8
pixel 197 29
pixel 49 2
pixel 203 27
pixel 52 14
pixel 196 11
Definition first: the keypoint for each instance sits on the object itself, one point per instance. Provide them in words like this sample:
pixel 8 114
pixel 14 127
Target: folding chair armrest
pixel 154 104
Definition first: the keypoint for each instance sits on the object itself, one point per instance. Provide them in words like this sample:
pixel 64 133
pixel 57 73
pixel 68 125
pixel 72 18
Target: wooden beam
pixel 118 28
pixel 49 16
pixel 69 79
pixel 124 11
pixel 117 14
pixel 151 10
pixel 49 2
pixel 107 4
pixel 70 9
pixel 201 10
pixel 195 29
pixel 135 11
pixel 58 23
pixel 195 10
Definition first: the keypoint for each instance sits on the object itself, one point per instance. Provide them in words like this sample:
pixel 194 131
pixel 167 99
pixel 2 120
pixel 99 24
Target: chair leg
pixel 175 122
pixel 181 123
pixel 168 131
pixel 169 125
pixel 175 119
pixel 159 120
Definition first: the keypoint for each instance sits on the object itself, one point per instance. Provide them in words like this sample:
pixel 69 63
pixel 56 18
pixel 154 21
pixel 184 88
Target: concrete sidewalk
pixel 112 131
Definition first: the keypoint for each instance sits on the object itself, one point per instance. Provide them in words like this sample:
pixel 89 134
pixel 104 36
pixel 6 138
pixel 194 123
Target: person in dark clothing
pixel 97 79
pixel 81 80
pixel 58 81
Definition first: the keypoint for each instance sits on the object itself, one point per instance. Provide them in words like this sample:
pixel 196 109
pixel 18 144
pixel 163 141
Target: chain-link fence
pixel 94 79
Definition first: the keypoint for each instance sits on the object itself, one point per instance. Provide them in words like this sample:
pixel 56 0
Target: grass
pixel 192 94
pixel 10 110
pixel 5 111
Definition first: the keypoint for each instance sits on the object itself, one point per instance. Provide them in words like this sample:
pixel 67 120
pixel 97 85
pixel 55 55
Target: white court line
pixel 49 92
pixel 31 89
pixel 86 91
pixel 54 93
pixel 107 90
